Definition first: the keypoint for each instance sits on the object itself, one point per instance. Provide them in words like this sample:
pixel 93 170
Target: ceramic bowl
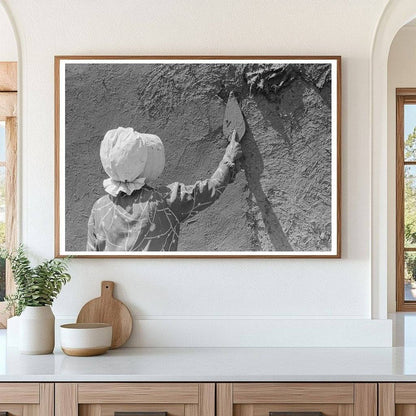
pixel 83 340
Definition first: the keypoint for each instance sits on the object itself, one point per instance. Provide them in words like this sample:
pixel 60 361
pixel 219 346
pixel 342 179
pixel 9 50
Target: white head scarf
pixel 130 158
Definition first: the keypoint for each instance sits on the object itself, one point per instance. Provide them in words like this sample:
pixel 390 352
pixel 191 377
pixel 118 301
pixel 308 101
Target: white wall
pixel 401 74
pixel 183 300
pixel 8 47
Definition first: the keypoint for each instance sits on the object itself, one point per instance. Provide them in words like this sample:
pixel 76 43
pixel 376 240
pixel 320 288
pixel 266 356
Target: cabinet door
pixel 297 399
pixel 144 399
pixel 26 399
pixel 397 399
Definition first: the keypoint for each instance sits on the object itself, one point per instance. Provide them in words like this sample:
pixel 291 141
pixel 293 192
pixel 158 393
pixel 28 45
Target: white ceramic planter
pixel 37 330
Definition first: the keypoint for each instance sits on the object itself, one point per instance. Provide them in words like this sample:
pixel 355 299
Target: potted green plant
pixel 36 289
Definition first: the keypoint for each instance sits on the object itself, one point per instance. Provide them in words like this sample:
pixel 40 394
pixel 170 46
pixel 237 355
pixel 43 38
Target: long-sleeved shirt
pixel 149 219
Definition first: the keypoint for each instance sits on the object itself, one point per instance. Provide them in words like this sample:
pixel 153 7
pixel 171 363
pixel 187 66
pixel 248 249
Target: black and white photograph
pixel 198 156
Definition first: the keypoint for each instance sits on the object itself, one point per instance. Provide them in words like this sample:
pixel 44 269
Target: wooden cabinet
pixel 208 399
pixel 297 399
pixel 27 399
pixel 106 399
pixel 397 399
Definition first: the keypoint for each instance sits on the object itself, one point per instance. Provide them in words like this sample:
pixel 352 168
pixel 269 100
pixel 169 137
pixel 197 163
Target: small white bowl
pixel 84 340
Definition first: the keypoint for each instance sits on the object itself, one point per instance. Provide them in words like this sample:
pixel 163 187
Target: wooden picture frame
pixel 81 95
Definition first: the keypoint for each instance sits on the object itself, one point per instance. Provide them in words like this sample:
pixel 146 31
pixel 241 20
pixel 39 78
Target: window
pixel 406 199
pixel 8 164
pixel 2 206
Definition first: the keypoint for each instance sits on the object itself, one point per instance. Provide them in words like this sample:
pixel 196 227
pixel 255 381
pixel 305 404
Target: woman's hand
pixel 234 150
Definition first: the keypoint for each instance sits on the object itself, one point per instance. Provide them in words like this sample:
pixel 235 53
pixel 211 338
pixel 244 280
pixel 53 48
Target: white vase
pixel 37 330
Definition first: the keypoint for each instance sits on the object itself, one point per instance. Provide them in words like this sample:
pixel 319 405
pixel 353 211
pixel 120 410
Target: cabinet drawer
pixel 138 393
pixel 153 399
pixel 19 393
pixel 297 399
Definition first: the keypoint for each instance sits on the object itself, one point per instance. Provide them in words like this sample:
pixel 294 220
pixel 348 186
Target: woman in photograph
pixel 133 216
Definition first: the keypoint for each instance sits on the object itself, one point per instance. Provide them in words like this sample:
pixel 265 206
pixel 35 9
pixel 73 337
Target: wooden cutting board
pixel 107 309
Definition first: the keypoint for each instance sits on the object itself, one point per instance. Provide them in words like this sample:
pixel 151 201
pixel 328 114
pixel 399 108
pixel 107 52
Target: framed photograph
pixel 200 156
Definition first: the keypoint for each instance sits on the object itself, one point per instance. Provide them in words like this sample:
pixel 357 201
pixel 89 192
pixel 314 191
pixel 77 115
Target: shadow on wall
pixel 253 166
pixel 287 159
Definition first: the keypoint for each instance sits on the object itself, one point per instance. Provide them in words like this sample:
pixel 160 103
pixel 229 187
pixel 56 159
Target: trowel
pixel 233 124
pixel 233 119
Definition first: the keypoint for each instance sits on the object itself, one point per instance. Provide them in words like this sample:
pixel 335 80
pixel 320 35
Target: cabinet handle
pixel 296 414
pixel 137 414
